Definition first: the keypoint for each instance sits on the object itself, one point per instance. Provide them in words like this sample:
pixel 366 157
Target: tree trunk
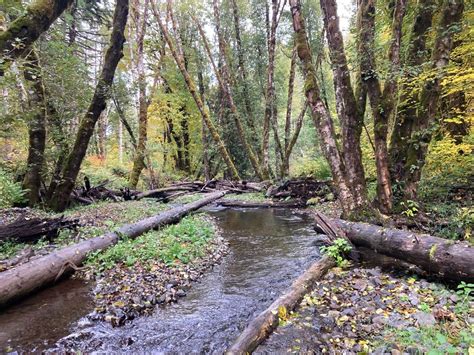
pixel 294 138
pixel 437 256
pixel 113 55
pixel 321 117
pixel 408 101
pixel 224 82
pixel 369 77
pixel 29 277
pixel 242 68
pixel 194 93
pixel 204 139
pixel 270 88
pixel 27 28
pixel 346 105
pixel 36 130
pixel 140 152
pixel 430 96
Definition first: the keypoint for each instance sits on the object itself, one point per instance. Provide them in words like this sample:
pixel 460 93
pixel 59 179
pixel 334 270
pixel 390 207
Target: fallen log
pixel 24 230
pixel 262 326
pixel 254 204
pixel 447 259
pixel 30 276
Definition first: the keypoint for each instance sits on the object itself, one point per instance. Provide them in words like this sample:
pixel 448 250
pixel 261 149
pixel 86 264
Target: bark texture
pixel 437 256
pixel 430 96
pixel 139 18
pixel 408 101
pixel 26 278
pixel 73 163
pixel 347 109
pixel 36 130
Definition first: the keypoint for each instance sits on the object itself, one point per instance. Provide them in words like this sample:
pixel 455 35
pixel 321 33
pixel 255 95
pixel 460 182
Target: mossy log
pixel 33 275
pixel 262 326
pixel 446 259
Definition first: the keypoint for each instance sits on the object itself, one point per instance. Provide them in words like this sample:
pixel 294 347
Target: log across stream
pixel 269 248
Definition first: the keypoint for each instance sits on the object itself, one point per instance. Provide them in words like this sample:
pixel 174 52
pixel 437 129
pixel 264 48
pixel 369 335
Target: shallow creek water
pixel 268 249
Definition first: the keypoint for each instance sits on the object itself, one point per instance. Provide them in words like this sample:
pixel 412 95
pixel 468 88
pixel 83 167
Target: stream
pixel 269 248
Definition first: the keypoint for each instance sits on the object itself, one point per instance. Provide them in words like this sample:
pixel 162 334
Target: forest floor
pixel 367 310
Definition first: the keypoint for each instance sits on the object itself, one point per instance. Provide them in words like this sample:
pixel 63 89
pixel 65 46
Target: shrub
pixel 312 167
pixel 10 191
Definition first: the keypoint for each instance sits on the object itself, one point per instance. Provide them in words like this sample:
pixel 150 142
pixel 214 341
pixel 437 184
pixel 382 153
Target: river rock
pixel 424 319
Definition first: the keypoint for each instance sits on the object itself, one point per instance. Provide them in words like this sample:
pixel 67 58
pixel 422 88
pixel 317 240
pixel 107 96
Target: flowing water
pixel 40 320
pixel 268 249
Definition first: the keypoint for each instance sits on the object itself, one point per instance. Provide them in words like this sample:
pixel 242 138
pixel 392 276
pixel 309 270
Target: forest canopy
pixel 374 95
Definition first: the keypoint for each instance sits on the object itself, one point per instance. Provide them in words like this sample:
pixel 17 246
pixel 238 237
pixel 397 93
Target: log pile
pixel 88 194
pixel 24 230
pixel 303 189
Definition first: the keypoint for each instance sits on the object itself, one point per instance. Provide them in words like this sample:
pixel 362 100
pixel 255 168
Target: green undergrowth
pixel 188 198
pixel 453 333
pixel 179 243
pixel 251 196
pixel 94 219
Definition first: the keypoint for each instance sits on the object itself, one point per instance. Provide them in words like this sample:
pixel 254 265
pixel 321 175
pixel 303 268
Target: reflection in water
pixel 39 321
pixel 268 249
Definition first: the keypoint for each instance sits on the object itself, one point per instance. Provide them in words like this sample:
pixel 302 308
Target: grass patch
pixel 251 196
pixel 180 243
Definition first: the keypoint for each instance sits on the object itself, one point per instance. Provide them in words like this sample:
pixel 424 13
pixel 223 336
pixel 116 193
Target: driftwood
pixel 28 277
pixel 261 327
pixel 253 204
pixel 451 260
pixel 24 230
pixel 304 189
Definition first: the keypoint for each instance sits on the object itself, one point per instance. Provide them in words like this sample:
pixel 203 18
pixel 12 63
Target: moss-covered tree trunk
pixel 25 30
pixel 197 99
pixel 430 96
pixel 270 87
pixel 242 67
pixel 60 197
pixel 381 101
pixel 320 113
pixel 36 129
pixel 139 20
pixel 350 117
pixel 417 54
